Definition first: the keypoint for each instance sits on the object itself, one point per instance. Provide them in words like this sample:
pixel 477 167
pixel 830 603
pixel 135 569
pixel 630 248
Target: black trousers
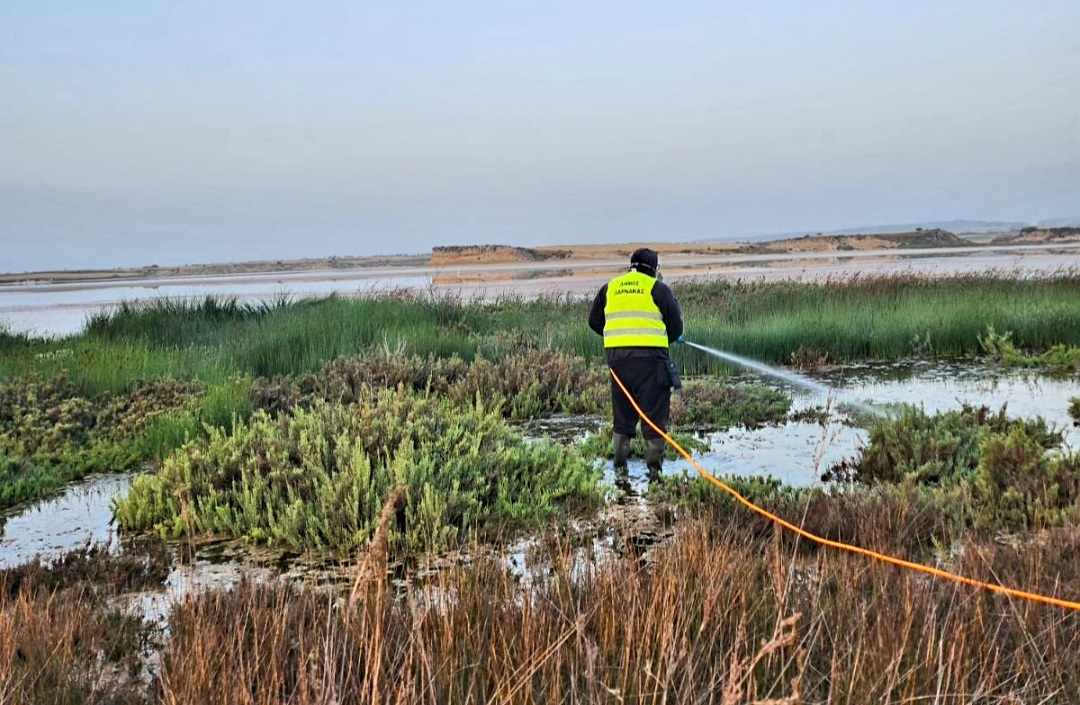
pixel 644 372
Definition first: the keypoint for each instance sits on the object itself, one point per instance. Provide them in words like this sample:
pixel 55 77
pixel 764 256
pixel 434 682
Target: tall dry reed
pixel 716 616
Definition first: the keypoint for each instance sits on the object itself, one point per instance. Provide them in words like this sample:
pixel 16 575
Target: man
pixel 638 317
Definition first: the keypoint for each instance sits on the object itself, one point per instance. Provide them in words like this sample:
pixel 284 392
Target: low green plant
pixel 219 407
pixel 317 478
pixel 997 473
pixel 21 481
pixel 692 492
pixel 923 448
pixel 1019 485
pixel 50 434
pixel 1074 410
pixel 1059 358
pixel 712 405
pixel 527 384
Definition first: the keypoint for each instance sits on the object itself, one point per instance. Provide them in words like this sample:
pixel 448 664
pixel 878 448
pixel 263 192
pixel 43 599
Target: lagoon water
pixel 62 523
pixel 797 452
pixel 62 308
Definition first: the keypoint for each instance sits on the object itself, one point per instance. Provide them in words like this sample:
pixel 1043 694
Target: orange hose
pixel 840 545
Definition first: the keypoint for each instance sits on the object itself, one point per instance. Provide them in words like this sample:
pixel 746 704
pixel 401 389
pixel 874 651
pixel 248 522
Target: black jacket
pixel 662 297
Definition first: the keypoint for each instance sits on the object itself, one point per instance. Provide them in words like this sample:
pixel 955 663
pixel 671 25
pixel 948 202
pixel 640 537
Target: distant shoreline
pixel 280 266
pixel 455 257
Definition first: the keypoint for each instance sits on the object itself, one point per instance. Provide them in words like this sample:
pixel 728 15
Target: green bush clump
pixel 51 434
pixel 218 407
pixel 934 448
pixel 1019 485
pixel 530 383
pixel 20 480
pixel 1074 410
pixel 318 478
pixel 692 492
pixel 46 419
pixel 1059 358
pixel 997 473
pixel 709 405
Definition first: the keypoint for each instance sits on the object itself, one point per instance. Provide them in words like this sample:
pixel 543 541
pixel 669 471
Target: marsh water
pixel 795 452
pixel 57 309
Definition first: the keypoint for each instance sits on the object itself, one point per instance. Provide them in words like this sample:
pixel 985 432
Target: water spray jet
pixel 788 376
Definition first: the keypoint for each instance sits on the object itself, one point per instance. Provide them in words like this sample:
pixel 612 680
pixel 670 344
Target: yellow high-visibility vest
pixel 631 317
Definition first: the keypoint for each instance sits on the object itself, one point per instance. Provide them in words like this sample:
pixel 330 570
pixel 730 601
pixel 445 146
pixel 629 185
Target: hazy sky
pixel 170 132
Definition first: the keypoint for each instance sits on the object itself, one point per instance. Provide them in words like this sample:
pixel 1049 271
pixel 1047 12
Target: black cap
pixel 645 261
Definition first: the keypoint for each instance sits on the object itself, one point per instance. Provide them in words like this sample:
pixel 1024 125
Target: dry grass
pixel 717 616
pixel 61 641
pixel 722 613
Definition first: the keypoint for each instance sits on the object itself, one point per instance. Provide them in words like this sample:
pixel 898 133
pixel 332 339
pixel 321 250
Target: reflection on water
pixel 938 387
pixel 78 515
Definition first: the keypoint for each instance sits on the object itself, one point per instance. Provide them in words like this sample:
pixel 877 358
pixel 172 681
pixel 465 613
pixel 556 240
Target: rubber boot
pixel 622 453
pixel 654 457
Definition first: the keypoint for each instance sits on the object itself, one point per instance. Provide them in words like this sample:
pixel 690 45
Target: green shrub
pixel 997 473
pixel 528 384
pixel 318 477
pixel 934 448
pixel 1058 358
pixel 711 405
pixel 692 492
pixel 50 418
pixel 1074 410
pixel 219 407
pixel 1019 486
pixel 50 434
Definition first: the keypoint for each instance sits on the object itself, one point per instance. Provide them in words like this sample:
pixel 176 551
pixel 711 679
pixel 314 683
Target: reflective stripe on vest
pixel 631 317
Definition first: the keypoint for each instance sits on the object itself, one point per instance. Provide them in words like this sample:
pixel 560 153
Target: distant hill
pixel 492 254
pixel 961 226
pixel 955 226
pixel 1039 236
pixel 914 239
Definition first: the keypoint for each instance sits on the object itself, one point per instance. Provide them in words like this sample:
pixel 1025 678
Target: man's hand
pixel 679 340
